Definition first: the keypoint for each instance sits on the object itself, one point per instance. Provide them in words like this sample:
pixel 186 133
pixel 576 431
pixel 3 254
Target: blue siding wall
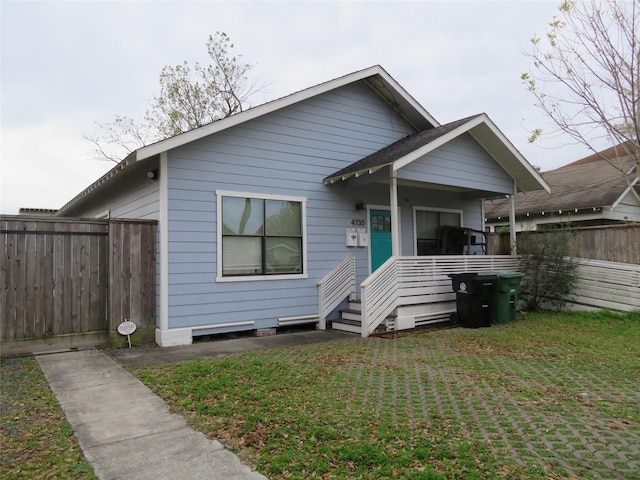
pixel 287 152
pixel 460 163
pixel 133 196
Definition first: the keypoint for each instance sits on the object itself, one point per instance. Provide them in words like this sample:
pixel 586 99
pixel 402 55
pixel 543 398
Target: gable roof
pixel 432 134
pixel 587 183
pixel 376 77
pixel 391 153
pixel 412 147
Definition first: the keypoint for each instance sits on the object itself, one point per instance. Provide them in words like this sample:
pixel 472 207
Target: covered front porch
pixel 435 182
pixel 404 293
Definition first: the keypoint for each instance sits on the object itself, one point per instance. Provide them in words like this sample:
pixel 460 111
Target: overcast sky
pixel 66 65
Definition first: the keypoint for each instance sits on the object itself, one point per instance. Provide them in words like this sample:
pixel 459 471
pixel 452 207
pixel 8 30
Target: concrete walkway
pixel 125 430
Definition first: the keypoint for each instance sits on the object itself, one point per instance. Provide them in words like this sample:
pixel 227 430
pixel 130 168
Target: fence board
pixel 613 243
pixel 31 294
pixel 58 287
pixel 9 267
pixel 135 271
pixel 96 310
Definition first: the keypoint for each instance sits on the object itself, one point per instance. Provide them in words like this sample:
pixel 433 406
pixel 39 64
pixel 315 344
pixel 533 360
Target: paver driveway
pixel 560 404
pixel 532 408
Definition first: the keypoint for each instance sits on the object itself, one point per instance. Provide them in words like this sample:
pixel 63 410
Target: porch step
pixel 351 320
pixel 351 326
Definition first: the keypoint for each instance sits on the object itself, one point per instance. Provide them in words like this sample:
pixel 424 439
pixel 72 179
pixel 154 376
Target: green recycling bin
pixel 506 296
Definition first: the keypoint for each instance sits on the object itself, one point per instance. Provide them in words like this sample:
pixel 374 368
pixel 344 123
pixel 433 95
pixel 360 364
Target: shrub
pixel 549 267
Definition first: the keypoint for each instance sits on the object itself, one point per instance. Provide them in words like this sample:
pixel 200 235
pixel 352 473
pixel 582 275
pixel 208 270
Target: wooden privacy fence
pixel 68 282
pixel 612 243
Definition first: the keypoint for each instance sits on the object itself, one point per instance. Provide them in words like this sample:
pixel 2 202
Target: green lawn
pixel 36 441
pixel 548 396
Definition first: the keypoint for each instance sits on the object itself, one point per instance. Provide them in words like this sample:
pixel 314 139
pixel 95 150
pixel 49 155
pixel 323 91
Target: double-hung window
pixel 260 235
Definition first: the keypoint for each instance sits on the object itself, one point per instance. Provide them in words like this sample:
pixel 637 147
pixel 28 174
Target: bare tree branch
pixel 190 96
pixel 585 76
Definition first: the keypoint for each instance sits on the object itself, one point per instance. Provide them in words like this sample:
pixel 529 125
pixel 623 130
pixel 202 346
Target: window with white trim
pixel 261 235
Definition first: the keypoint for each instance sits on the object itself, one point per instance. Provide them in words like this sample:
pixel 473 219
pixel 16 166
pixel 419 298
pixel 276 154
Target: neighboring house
pixel 256 208
pixel 596 190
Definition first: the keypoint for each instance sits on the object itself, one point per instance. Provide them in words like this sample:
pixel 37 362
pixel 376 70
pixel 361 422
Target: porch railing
pixel 334 287
pixel 404 281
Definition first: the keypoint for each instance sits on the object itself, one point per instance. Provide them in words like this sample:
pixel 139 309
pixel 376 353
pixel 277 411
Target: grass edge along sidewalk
pixel 549 396
pixel 424 432
pixel 36 440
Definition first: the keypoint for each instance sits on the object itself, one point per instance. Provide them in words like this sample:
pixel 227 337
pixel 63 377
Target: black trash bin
pixel 474 298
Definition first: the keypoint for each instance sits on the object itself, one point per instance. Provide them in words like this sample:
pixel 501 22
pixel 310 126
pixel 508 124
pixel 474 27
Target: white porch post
pixel 395 221
pixel 512 219
pixel 162 325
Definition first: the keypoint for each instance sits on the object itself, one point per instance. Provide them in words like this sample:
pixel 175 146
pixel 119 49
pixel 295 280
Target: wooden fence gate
pixel 67 283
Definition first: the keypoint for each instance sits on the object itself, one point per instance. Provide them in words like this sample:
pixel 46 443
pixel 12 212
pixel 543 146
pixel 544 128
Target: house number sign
pixel 359 222
pixel 127 328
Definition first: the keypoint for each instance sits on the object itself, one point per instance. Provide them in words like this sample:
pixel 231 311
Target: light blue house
pixel 279 214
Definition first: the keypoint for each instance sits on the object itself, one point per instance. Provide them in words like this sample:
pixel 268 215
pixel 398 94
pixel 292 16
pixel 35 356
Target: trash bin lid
pixel 509 274
pixel 484 277
pixel 462 274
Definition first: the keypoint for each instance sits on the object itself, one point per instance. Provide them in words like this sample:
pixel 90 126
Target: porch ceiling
pixel 412 147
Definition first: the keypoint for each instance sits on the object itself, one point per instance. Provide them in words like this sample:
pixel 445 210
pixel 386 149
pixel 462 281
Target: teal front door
pixel 379 237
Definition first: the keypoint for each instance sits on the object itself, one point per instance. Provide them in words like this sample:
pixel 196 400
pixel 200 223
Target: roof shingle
pixel 593 183
pixel 399 149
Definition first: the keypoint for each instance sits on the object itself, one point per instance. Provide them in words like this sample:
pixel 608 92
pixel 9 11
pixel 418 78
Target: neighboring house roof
pixel 412 147
pixel 587 183
pixel 611 153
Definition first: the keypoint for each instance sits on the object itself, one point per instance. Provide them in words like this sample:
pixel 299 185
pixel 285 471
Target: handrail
pixel 411 280
pixel 404 281
pixel 334 287
pixel 378 295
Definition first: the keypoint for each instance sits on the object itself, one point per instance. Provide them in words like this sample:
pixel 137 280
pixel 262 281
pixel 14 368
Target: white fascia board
pixel 355 173
pixel 406 96
pixel 505 141
pixel 444 139
pixel 625 193
pixel 255 112
pixel 468 127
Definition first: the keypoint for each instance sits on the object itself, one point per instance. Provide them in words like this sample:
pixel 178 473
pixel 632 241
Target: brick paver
pixel 535 411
